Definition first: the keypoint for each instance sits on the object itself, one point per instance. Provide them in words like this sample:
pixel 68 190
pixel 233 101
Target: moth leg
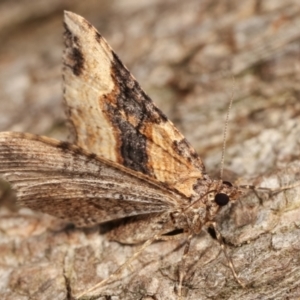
pixel 173 237
pixel 139 229
pixel 223 247
pixel 271 191
pixel 285 187
pixel 255 191
pixel 121 268
pixel 181 269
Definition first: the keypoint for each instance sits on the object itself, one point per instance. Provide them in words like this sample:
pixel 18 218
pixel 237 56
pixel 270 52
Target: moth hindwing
pixel 126 160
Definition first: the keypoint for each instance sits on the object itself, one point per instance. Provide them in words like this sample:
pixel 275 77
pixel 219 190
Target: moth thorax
pixel 194 216
pixel 179 220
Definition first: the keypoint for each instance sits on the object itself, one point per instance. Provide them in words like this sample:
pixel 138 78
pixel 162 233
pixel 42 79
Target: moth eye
pixel 227 183
pixel 221 199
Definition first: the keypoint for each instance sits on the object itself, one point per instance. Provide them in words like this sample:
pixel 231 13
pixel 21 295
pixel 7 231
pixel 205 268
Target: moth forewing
pixel 68 182
pixel 111 115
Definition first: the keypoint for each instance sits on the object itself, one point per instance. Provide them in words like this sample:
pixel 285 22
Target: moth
pixel 127 160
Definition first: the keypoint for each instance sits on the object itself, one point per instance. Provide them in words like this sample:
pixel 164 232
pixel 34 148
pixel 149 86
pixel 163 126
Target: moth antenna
pixel 225 130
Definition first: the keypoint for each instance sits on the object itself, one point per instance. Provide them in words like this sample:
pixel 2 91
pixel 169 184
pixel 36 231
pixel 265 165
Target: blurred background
pixel 189 56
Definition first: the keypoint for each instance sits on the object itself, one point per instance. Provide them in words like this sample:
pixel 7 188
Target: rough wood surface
pixel 185 54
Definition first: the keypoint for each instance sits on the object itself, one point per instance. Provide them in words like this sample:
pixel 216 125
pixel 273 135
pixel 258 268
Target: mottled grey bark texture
pixel 185 55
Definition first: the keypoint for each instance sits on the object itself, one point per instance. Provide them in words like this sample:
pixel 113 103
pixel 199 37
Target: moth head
pixel 221 195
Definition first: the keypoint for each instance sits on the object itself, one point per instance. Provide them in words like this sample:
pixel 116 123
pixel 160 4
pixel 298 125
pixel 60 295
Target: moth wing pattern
pixel 110 114
pixel 56 178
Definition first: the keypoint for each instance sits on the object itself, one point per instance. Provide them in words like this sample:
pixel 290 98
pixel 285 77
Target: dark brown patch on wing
pixel 74 57
pixel 130 110
pixel 184 149
pixel 63 145
pixel 133 144
pixel 89 25
pixel 132 99
pixel 98 36
pixel 66 147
